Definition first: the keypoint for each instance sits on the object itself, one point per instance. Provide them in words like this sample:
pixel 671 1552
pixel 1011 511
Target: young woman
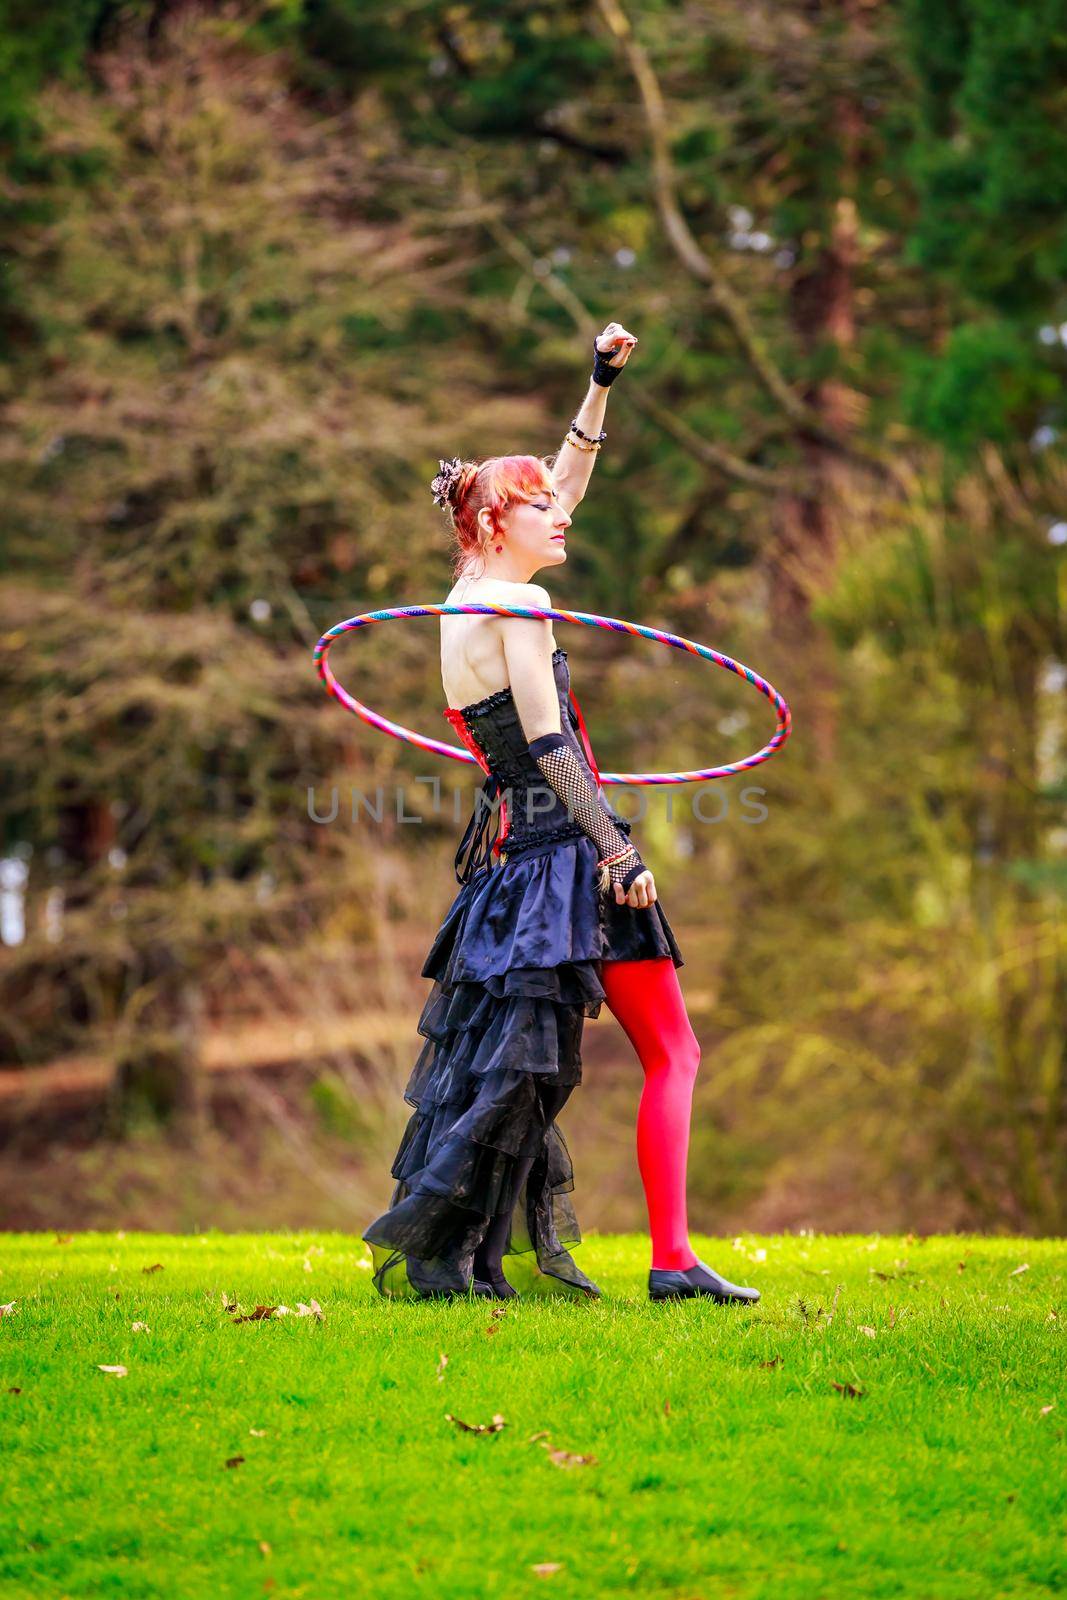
pixel 555 918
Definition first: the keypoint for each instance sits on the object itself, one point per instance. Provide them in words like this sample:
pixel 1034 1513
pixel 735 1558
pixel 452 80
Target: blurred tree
pixel 269 261
pixel 988 161
pixel 210 438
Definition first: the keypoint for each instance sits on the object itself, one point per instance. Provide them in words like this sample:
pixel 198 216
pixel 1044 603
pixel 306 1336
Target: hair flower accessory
pixel 443 487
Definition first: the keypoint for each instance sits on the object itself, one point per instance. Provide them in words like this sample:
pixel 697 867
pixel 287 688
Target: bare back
pixel 473 663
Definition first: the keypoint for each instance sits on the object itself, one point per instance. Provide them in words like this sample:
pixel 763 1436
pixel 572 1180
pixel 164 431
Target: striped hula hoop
pixel 587 620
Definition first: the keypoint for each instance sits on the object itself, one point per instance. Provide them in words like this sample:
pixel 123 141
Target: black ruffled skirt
pixel 516 970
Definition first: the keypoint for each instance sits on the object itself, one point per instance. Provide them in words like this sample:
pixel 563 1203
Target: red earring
pixel 499 548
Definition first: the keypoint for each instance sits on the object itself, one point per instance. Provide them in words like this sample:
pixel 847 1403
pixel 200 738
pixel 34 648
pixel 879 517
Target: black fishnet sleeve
pixel 559 764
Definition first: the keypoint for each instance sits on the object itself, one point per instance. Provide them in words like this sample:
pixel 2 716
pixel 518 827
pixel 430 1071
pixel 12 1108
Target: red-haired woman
pixel 555 918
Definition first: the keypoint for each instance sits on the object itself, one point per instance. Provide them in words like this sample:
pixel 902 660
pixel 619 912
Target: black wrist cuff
pixel 634 872
pixel 604 374
pixel 547 742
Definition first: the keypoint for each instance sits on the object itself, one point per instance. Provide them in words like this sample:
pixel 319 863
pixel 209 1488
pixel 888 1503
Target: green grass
pixel 715 1473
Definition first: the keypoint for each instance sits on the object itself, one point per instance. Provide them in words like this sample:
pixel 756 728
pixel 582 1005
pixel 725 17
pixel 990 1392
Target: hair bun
pixel 450 482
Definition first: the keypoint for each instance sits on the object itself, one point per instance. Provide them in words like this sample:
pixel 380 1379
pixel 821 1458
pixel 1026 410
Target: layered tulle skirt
pixel 516 970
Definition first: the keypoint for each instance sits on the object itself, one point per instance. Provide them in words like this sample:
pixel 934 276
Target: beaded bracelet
pixel 588 437
pixel 607 861
pixel 578 445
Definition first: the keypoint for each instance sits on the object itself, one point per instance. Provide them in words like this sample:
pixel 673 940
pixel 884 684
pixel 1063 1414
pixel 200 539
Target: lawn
pixel 887 1421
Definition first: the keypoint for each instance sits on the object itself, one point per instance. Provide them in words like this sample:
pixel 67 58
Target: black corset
pixel 536 814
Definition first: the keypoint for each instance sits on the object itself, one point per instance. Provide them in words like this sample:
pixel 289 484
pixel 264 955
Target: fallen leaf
pixel 157 1266
pixel 870 1332
pixel 258 1433
pixel 14 1390
pixel 9 1309
pixel 494 1329
pixel 441 1365
pixel 116 1372
pixel 140 1327
pixel 235 1461
pixel 564 1458
pixel 264 1547
pixel 261 1313
pixel 64 1238
pixel 543 1568
pixel 477 1427
pixel 849 1389
pixel 666 1408
pixel 313 1310
pixel 1016 1271
pixel 1046 1409
pixel 774 1361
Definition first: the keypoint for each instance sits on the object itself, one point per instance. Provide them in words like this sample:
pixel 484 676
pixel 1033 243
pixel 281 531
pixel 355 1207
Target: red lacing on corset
pixel 456 719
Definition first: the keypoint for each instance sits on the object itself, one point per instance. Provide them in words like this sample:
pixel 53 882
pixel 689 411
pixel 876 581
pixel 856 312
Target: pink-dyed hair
pixel 496 483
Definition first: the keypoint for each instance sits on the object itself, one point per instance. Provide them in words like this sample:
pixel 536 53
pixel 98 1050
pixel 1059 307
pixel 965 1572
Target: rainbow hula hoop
pixel 396 613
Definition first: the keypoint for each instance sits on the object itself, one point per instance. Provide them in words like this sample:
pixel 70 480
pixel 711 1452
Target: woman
pixel 556 917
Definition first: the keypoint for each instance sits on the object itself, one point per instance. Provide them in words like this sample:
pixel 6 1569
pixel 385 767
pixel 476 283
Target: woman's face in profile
pixel 536 530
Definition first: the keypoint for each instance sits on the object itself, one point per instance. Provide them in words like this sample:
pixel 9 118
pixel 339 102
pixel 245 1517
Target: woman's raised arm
pixel 574 463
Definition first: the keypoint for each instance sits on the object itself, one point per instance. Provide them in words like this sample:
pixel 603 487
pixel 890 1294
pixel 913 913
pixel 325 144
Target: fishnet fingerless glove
pixel 559 764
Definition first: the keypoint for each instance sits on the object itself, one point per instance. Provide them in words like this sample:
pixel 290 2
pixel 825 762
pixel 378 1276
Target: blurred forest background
pixel 262 265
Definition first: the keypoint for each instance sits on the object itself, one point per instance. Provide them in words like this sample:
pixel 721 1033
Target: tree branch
pixel 700 265
pixel 678 232
pixel 702 450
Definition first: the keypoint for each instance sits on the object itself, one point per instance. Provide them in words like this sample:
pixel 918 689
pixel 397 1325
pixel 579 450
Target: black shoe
pixel 495 1288
pixel 665 1284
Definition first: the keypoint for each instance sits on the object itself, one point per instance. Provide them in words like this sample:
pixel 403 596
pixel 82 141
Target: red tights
pixel 646 998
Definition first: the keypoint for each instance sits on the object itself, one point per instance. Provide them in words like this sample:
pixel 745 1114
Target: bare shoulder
pixel 516 631
pixel 535 592
pixel 528 594
pixel 504 590
pixel 525 594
